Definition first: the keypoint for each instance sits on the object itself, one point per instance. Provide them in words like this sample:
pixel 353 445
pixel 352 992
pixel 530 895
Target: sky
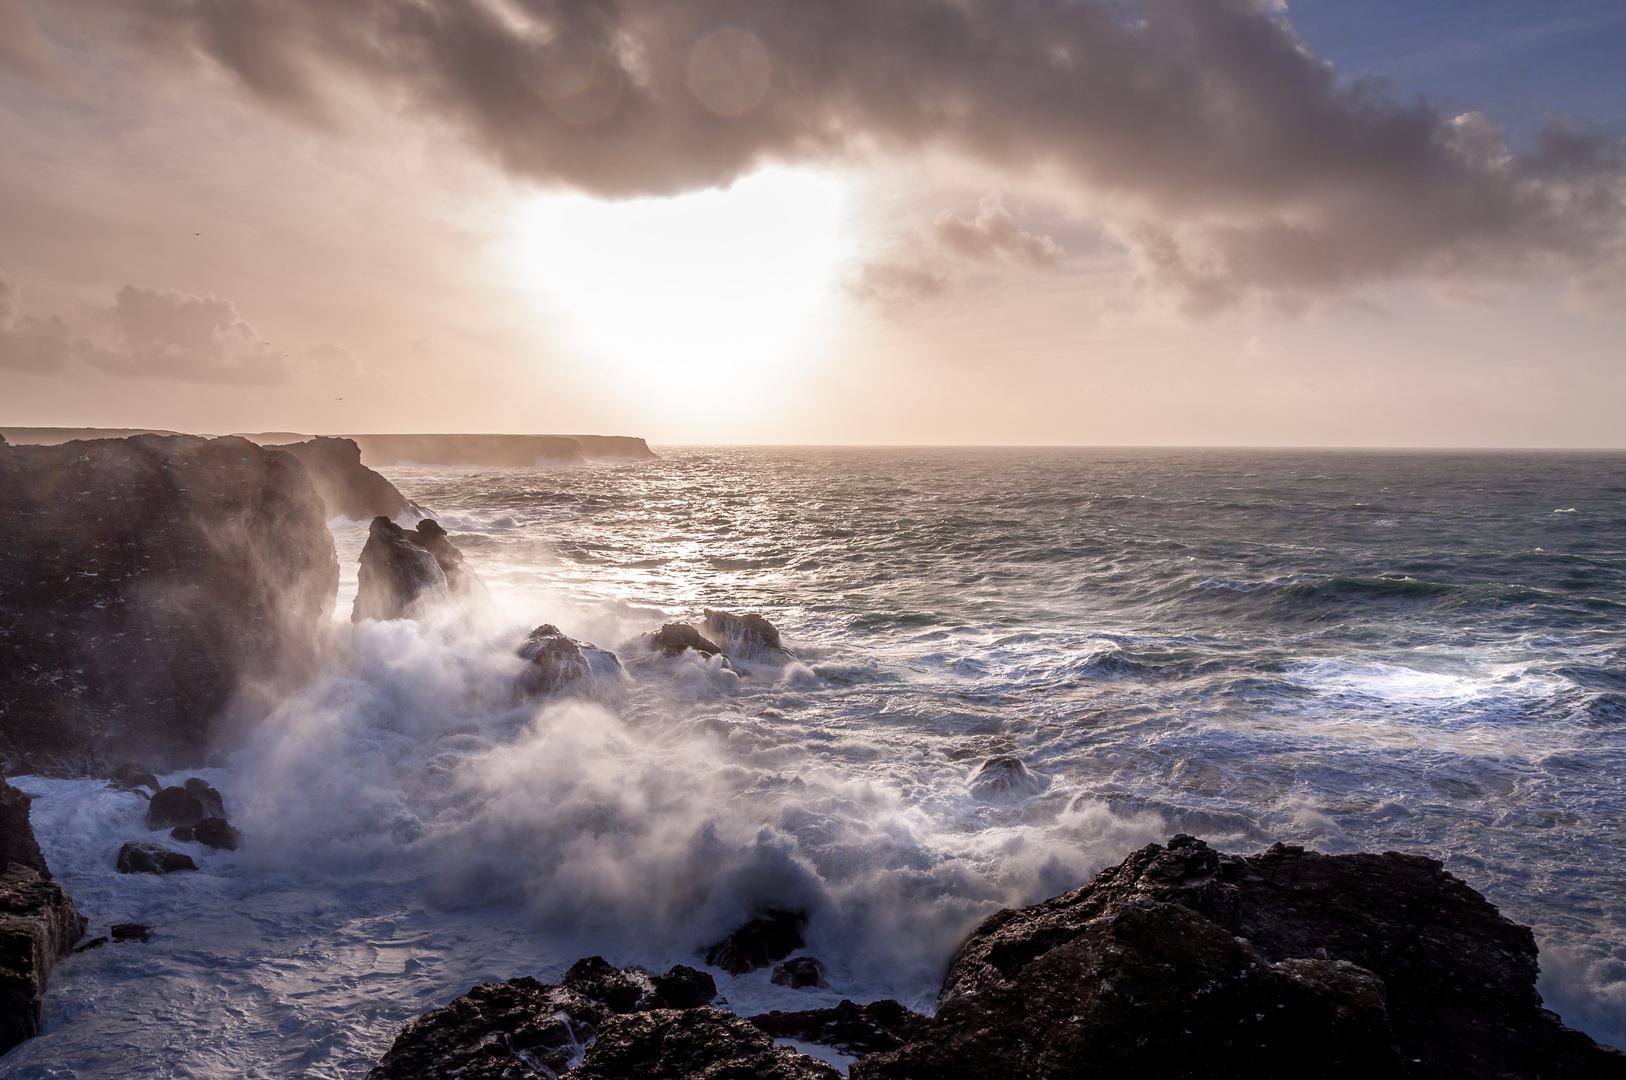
pixel 1076 222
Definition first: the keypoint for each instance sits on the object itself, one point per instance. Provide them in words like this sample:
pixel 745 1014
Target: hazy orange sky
pixel 817 221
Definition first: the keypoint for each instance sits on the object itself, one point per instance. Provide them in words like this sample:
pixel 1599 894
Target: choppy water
pixel 1344 650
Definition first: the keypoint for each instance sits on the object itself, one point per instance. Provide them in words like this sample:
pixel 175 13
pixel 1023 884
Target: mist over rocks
pixel 1283 964
pixel 676 637
pixel 155 591
pixel 750 636
pixel 346 486
pixel 402 574
pixel 556 662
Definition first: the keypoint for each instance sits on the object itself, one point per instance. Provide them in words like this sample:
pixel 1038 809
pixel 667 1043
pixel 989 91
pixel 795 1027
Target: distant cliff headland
pixel 382 451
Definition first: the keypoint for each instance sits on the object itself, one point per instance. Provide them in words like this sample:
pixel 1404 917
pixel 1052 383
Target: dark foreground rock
pixel 556 662
pixel 402 574
pixel 771 936
pixel 38 927
pixel 853 1029
pixel 599 1022
pixel 346 486
pixel 150 588
pixel 18 847
pixel 141 857
pixel 1182 962
pixel 749 636
pixel 129 931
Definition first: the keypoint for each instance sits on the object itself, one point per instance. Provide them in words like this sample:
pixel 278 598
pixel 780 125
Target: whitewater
pixel 1421 652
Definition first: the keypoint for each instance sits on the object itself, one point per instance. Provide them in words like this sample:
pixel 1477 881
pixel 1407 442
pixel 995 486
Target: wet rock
pixel 149 583
pixel 38 927
pixel 750 636
pixel 799 973
pixel 668 1044
pixel 141 857
pixel 402 572
pixel 216 833
pixel 396 577
pixel 129 931
pixel 183 833
pixel 674 638
pixel 347 487
pixel 186 805
pixel 18 847
pixel 520 1027
pixel 557 662
pixel 1283 964
pixel 1003 778
pixel 133 776
pixel 93 943
pixel 769 937
pixel 852 1029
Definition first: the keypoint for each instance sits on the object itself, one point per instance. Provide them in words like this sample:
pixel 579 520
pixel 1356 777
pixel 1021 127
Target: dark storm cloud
pixel 1226 156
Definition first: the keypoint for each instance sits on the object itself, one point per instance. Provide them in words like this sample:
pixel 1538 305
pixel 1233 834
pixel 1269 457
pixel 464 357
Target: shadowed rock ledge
pixel 38 923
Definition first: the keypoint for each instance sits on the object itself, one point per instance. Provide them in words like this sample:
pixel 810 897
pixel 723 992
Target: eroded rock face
pixel 697 1043
pixel 403 573
pixel 1282 964
pixel 557 662
pixel 851 1029
pixel 38 927
pixel 149 586
pixel 674 638
pixel 749 636
pixel 17 844
pixel 347 487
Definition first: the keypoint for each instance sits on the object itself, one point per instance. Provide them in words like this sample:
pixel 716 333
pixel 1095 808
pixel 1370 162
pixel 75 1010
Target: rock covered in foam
pixel 347 487
pixel 402 573
pixel 150 589
pixel 142 857
pixel 555 662
pixel 749 636
pixel 799 973
pixel 1282 964
pixel 1002 778
pixel 38 927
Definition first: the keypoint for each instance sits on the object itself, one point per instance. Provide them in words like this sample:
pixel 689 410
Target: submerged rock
pixel 141 857
pixel 150 587
pixel 1284 964
pixel 557 661
pixel 674 638
pixel 38 927
pixel 346 486
pixel 799 973
pixel 771 936
pixel 851 1029
pixel 749 636
pixel 129 931
pixel 403 571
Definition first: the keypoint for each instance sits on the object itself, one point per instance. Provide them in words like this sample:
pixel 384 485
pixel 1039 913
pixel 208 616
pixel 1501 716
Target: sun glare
pixel 676 292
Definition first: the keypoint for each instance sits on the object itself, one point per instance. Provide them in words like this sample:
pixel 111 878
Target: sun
pixel 676 293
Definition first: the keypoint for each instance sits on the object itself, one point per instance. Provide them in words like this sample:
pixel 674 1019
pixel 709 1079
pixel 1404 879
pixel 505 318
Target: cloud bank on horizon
pixel 1214 145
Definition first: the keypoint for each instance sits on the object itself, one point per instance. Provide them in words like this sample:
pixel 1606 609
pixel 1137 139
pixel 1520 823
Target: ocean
pixel 1421 652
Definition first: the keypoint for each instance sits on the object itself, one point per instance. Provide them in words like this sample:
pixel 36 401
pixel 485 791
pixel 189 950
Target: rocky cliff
pixel 38 923
pixel 149 585
pixel 346 486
